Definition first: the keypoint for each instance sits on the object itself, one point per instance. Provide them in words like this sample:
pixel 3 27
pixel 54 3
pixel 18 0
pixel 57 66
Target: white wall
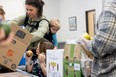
pixel 51 8
pixel 13 8
pixel 69 8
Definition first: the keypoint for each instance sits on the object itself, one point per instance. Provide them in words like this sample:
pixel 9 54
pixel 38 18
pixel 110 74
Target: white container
pixel 55 63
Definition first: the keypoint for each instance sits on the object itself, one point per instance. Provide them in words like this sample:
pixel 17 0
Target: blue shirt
pixel 55 42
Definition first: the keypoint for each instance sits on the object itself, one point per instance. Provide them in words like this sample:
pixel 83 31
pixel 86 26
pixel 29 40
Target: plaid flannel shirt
pixel 104 43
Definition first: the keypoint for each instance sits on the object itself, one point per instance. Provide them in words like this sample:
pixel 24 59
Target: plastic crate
pixel 23 60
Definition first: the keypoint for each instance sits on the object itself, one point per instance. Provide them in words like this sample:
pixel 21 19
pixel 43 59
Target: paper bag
pixel 71 63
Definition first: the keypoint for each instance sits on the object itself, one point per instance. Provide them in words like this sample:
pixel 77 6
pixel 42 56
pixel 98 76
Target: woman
pixel 34 13
pixel 38 66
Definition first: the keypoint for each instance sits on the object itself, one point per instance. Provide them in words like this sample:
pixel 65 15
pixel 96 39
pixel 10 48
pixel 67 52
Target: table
pixel 18 73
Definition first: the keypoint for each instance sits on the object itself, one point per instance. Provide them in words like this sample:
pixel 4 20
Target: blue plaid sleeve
pixel 105 38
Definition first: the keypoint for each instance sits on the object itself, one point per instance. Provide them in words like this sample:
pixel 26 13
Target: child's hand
pixel 28 59
pixel 55 48
pixel 41 58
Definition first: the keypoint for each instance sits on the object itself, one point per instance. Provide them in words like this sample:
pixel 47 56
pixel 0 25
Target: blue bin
pixel 23 60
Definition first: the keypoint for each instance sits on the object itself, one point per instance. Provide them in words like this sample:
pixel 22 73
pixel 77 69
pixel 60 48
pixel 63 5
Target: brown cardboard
pixel 11 55
pixel 88 53
pixel 72 57
pixel 75 51
pixel 71 61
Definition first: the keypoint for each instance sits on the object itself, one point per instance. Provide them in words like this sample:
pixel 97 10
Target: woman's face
pixel 37 50
pixel 32 11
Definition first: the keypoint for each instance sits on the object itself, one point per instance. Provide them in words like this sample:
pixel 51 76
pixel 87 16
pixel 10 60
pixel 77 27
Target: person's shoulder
pixel 43 17
pixel 22 16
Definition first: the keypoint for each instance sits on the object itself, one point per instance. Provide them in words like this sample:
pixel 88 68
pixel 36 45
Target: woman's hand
pixel 8 40
pixel 2 34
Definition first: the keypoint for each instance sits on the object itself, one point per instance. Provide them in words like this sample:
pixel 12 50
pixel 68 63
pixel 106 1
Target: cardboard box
pixel 11 55
pixel 55 63
pixel 71 63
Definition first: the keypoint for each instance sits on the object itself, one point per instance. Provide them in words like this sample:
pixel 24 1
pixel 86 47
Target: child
pixel 2 15
pixel 7 41
pixel 54 27
pixel 38 66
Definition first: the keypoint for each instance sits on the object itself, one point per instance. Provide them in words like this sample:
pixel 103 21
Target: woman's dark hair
pixel 37 4
pixel 44 45
pixel 2 12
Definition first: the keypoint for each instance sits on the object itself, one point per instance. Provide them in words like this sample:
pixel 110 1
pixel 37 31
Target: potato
pixel 29 53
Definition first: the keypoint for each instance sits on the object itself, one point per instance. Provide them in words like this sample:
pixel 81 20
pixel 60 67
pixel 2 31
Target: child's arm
pixel 29 65
pixel 55 42
pixel 42 63
pixel 43 67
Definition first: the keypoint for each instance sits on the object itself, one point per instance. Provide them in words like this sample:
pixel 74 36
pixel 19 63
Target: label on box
pixel 10 53
pixel 76 66
pixel 70 64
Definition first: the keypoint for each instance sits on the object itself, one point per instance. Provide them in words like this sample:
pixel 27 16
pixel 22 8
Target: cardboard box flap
pixel 11 55
pixel 21 34
pixel 72 50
